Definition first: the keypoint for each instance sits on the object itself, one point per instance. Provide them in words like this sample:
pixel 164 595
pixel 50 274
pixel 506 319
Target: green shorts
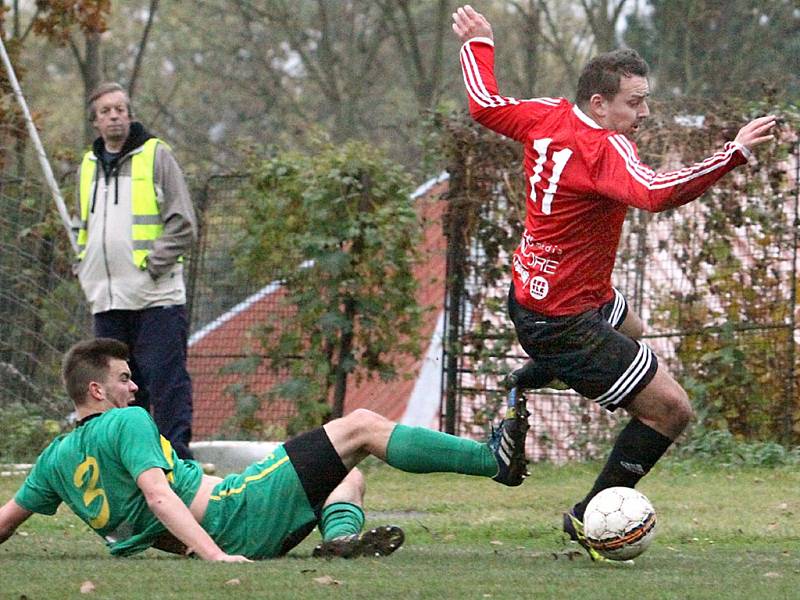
pixel 257 513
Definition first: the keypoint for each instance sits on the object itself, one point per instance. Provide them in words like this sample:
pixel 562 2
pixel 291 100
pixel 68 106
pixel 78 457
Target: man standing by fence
pixel 137 223
pixel 583 173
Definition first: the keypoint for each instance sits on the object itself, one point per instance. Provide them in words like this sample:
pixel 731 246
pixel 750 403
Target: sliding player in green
pixel 125 481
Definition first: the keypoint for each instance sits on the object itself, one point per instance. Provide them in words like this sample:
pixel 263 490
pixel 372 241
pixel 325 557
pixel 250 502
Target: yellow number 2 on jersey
pixel 91 491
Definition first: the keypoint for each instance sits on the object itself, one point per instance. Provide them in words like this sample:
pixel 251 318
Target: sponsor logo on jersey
pixel 521 270
pixel 539 287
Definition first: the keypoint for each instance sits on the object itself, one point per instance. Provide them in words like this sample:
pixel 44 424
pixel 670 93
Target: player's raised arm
pixel 505 115
pixel 12 515
pixel 178 519
pixel 622 176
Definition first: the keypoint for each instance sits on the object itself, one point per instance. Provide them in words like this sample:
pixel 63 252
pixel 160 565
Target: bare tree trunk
pixel 92 76
pixel 345 362
pixel 424 75
pixel 532 26
pixel 603 16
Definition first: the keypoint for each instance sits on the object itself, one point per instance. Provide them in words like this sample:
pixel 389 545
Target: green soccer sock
pixel 340 519
pixel 421 450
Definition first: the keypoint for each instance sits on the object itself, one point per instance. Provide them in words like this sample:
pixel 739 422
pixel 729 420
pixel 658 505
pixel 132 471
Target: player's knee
pixel 680 408
pixel 364 419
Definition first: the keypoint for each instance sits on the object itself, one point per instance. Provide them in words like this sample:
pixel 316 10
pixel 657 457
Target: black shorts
pixel 320 470
pixel 319 467
pixel 586 351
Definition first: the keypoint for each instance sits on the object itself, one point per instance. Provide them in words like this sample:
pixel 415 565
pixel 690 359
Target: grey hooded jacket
pixel 107 273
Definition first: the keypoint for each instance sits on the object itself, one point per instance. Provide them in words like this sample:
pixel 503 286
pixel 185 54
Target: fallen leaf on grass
pixel 327 580
pixel 234 581
pixel 496 543
pixel 87 587
pixel 772 574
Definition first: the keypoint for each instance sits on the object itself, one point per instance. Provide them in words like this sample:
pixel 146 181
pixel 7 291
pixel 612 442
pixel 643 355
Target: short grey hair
pixel 107 87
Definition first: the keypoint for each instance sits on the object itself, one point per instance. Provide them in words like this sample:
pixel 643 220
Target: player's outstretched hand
pixel 468 23
pixel 234 558
pixel 756 132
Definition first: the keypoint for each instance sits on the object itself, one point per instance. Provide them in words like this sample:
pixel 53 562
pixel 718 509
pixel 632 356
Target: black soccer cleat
pixel 508 444
pixel 380 541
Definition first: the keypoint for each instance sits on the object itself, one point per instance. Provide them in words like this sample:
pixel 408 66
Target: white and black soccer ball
pixel 619 523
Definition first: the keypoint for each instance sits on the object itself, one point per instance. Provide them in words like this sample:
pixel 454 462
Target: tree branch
pixel 137 63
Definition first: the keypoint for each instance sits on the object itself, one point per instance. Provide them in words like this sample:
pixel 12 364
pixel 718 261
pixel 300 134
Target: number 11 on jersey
pixel 559 159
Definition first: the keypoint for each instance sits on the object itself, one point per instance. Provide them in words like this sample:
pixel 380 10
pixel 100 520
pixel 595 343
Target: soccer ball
pixel 619 523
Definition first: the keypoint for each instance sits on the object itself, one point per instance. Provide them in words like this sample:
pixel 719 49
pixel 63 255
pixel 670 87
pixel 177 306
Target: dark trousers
pixel 156 338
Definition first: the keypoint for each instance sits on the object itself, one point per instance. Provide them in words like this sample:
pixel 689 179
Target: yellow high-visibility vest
pixel 147 223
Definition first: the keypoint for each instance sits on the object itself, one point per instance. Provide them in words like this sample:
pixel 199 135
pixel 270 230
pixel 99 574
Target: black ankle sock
pixel 636 450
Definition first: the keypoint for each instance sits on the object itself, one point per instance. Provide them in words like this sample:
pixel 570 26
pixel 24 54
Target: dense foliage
pixel 338 229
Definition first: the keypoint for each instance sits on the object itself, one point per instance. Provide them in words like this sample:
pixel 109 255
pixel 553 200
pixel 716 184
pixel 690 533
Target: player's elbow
pixel 11 517
pixel 156 500
pixel 155 489
pixel 6 533
pixel 479 113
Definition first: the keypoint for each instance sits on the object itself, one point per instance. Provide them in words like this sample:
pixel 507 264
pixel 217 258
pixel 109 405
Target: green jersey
pixel 94 468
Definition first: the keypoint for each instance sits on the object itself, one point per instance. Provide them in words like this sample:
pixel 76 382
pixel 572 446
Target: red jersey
pixel 581 178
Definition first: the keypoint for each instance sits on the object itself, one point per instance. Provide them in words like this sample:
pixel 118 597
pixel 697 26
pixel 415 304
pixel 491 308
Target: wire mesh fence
pixel 42 311
pixel 715 282
pixel 226 308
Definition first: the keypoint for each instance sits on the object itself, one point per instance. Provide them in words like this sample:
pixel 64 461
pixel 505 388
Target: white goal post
pixel 40 153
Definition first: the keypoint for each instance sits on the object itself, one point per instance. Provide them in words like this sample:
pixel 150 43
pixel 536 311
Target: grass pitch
pixel 722 533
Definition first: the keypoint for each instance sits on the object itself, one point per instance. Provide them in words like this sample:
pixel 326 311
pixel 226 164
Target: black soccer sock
pixel 636 450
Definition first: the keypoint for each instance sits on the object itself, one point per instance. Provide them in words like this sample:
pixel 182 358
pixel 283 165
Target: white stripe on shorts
pixel 629 379
pixel 615 318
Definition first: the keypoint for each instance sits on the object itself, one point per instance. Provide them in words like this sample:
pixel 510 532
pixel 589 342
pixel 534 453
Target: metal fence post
pixel 789 408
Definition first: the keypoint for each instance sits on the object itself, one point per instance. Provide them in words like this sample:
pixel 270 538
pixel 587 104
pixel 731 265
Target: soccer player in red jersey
pixel 583 172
